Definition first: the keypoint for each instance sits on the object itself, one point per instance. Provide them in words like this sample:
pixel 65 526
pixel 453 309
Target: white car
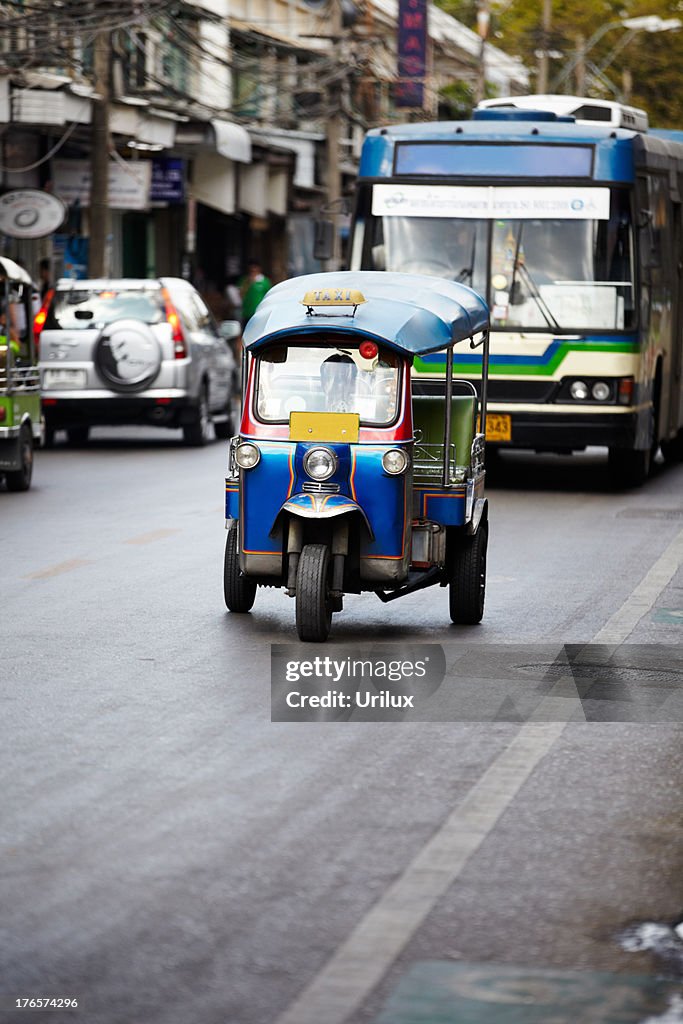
pixel 135 352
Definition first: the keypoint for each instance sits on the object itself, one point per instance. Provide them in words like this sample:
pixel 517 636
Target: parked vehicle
pixel 135 351
pixel 20 422
pixel 341 479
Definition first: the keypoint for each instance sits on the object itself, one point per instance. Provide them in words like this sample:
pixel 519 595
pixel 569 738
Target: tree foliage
pixel 644 68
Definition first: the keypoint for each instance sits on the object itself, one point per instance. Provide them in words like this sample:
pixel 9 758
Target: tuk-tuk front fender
pixel 321 506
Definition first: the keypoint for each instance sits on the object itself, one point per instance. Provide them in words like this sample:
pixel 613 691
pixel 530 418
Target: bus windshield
pixel 537 274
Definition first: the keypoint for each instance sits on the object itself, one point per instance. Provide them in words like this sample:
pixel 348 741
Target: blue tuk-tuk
pixel 347 475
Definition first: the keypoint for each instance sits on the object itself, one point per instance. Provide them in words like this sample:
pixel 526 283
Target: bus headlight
pixel 320 463
pixel 395 461
pixel 247 455
pixel 579 390
pixel 601 391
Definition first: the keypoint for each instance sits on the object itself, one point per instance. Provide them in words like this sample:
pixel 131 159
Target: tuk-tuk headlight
pixel 320 463
pixel 395 461
pixel 247 455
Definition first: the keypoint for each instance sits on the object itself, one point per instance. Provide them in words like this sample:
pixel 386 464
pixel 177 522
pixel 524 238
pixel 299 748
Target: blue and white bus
pixel 571 226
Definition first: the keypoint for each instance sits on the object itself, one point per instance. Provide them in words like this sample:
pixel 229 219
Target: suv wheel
pixel 198 432
pixel 77 436
pixel 227 427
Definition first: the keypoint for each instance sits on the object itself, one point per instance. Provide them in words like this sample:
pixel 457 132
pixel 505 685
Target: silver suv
pixel 135 351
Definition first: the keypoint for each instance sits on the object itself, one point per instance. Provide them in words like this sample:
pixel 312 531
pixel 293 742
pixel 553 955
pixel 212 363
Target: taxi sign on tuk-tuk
pixel 332 296
pixel 341 479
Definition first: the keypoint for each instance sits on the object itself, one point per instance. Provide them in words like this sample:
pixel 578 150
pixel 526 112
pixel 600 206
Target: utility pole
pixel 99 157
pixel 334 130
pixel 543 57
pixel 626 85
pixel 483 19
pixel 580 70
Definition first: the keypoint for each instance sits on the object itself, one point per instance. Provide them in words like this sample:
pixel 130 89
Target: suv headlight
pixel 320 463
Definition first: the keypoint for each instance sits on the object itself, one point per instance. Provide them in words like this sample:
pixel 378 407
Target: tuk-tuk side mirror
pixel 230 329
pixel 323 240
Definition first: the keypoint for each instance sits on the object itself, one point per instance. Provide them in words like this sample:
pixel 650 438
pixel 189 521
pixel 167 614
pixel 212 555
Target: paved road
pixel 168 854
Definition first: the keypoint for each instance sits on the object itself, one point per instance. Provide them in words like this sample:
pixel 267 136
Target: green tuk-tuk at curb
pixel 20 416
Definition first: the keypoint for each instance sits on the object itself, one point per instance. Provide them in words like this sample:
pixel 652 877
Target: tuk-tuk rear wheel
pixel 467 588
pixel 313 602
pixel 239 592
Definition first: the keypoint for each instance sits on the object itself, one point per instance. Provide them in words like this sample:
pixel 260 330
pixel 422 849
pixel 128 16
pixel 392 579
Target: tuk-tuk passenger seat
pixel 428 419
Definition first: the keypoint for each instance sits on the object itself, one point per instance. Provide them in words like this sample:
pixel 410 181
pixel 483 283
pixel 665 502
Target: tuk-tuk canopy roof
pixel 409 312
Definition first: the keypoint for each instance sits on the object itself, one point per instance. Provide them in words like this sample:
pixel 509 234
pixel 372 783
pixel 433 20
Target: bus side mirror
pixel 323 240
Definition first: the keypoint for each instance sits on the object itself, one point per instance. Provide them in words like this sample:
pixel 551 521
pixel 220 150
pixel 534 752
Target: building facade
pixel 219 115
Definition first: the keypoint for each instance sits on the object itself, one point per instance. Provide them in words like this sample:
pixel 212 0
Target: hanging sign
pixel 168 180
pixel 30 213
pixel 412 53
pixel 129 182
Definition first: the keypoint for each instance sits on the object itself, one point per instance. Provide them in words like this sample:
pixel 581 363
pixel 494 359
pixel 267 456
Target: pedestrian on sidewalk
pixel 253 287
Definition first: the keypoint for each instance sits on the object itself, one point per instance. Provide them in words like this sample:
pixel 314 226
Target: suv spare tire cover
pixel 127 355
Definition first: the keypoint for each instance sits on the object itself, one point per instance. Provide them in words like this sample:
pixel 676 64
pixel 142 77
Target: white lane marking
pixel 624 621
pixel 362 960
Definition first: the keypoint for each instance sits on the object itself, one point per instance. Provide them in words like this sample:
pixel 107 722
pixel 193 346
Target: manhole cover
pixel 443 993
pixel 673 616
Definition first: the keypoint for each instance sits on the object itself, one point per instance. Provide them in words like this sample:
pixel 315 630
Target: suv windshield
pixel 292 378
pixel 85 309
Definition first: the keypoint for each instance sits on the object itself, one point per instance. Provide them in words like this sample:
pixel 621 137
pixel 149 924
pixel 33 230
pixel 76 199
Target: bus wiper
pixel 538 298
pixel 532 287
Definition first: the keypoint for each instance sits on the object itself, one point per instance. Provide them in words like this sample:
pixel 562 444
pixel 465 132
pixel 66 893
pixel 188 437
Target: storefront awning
pixel 213 182
pixel 303 145
pixel 232 141
pixel 263 190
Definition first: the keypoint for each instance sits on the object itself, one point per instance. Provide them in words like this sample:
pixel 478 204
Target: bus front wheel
pixel 629 467
pixel 673 450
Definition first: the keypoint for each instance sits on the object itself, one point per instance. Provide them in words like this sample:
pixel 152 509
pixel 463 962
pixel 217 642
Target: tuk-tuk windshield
pixel 349 378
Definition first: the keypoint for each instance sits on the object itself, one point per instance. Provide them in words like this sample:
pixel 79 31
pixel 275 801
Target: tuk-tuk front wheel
pixel 20 479
pixel 239 592
pixel 313 602
pixel 467 588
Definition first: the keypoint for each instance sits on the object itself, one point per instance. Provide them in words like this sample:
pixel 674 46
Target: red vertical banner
pixel 412 53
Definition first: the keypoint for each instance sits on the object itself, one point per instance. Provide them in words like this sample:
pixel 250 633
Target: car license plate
pixel 498 426
pixel 63 378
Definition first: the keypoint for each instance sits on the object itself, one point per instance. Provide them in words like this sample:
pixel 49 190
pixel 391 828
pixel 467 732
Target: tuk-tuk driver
pixel 338 376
